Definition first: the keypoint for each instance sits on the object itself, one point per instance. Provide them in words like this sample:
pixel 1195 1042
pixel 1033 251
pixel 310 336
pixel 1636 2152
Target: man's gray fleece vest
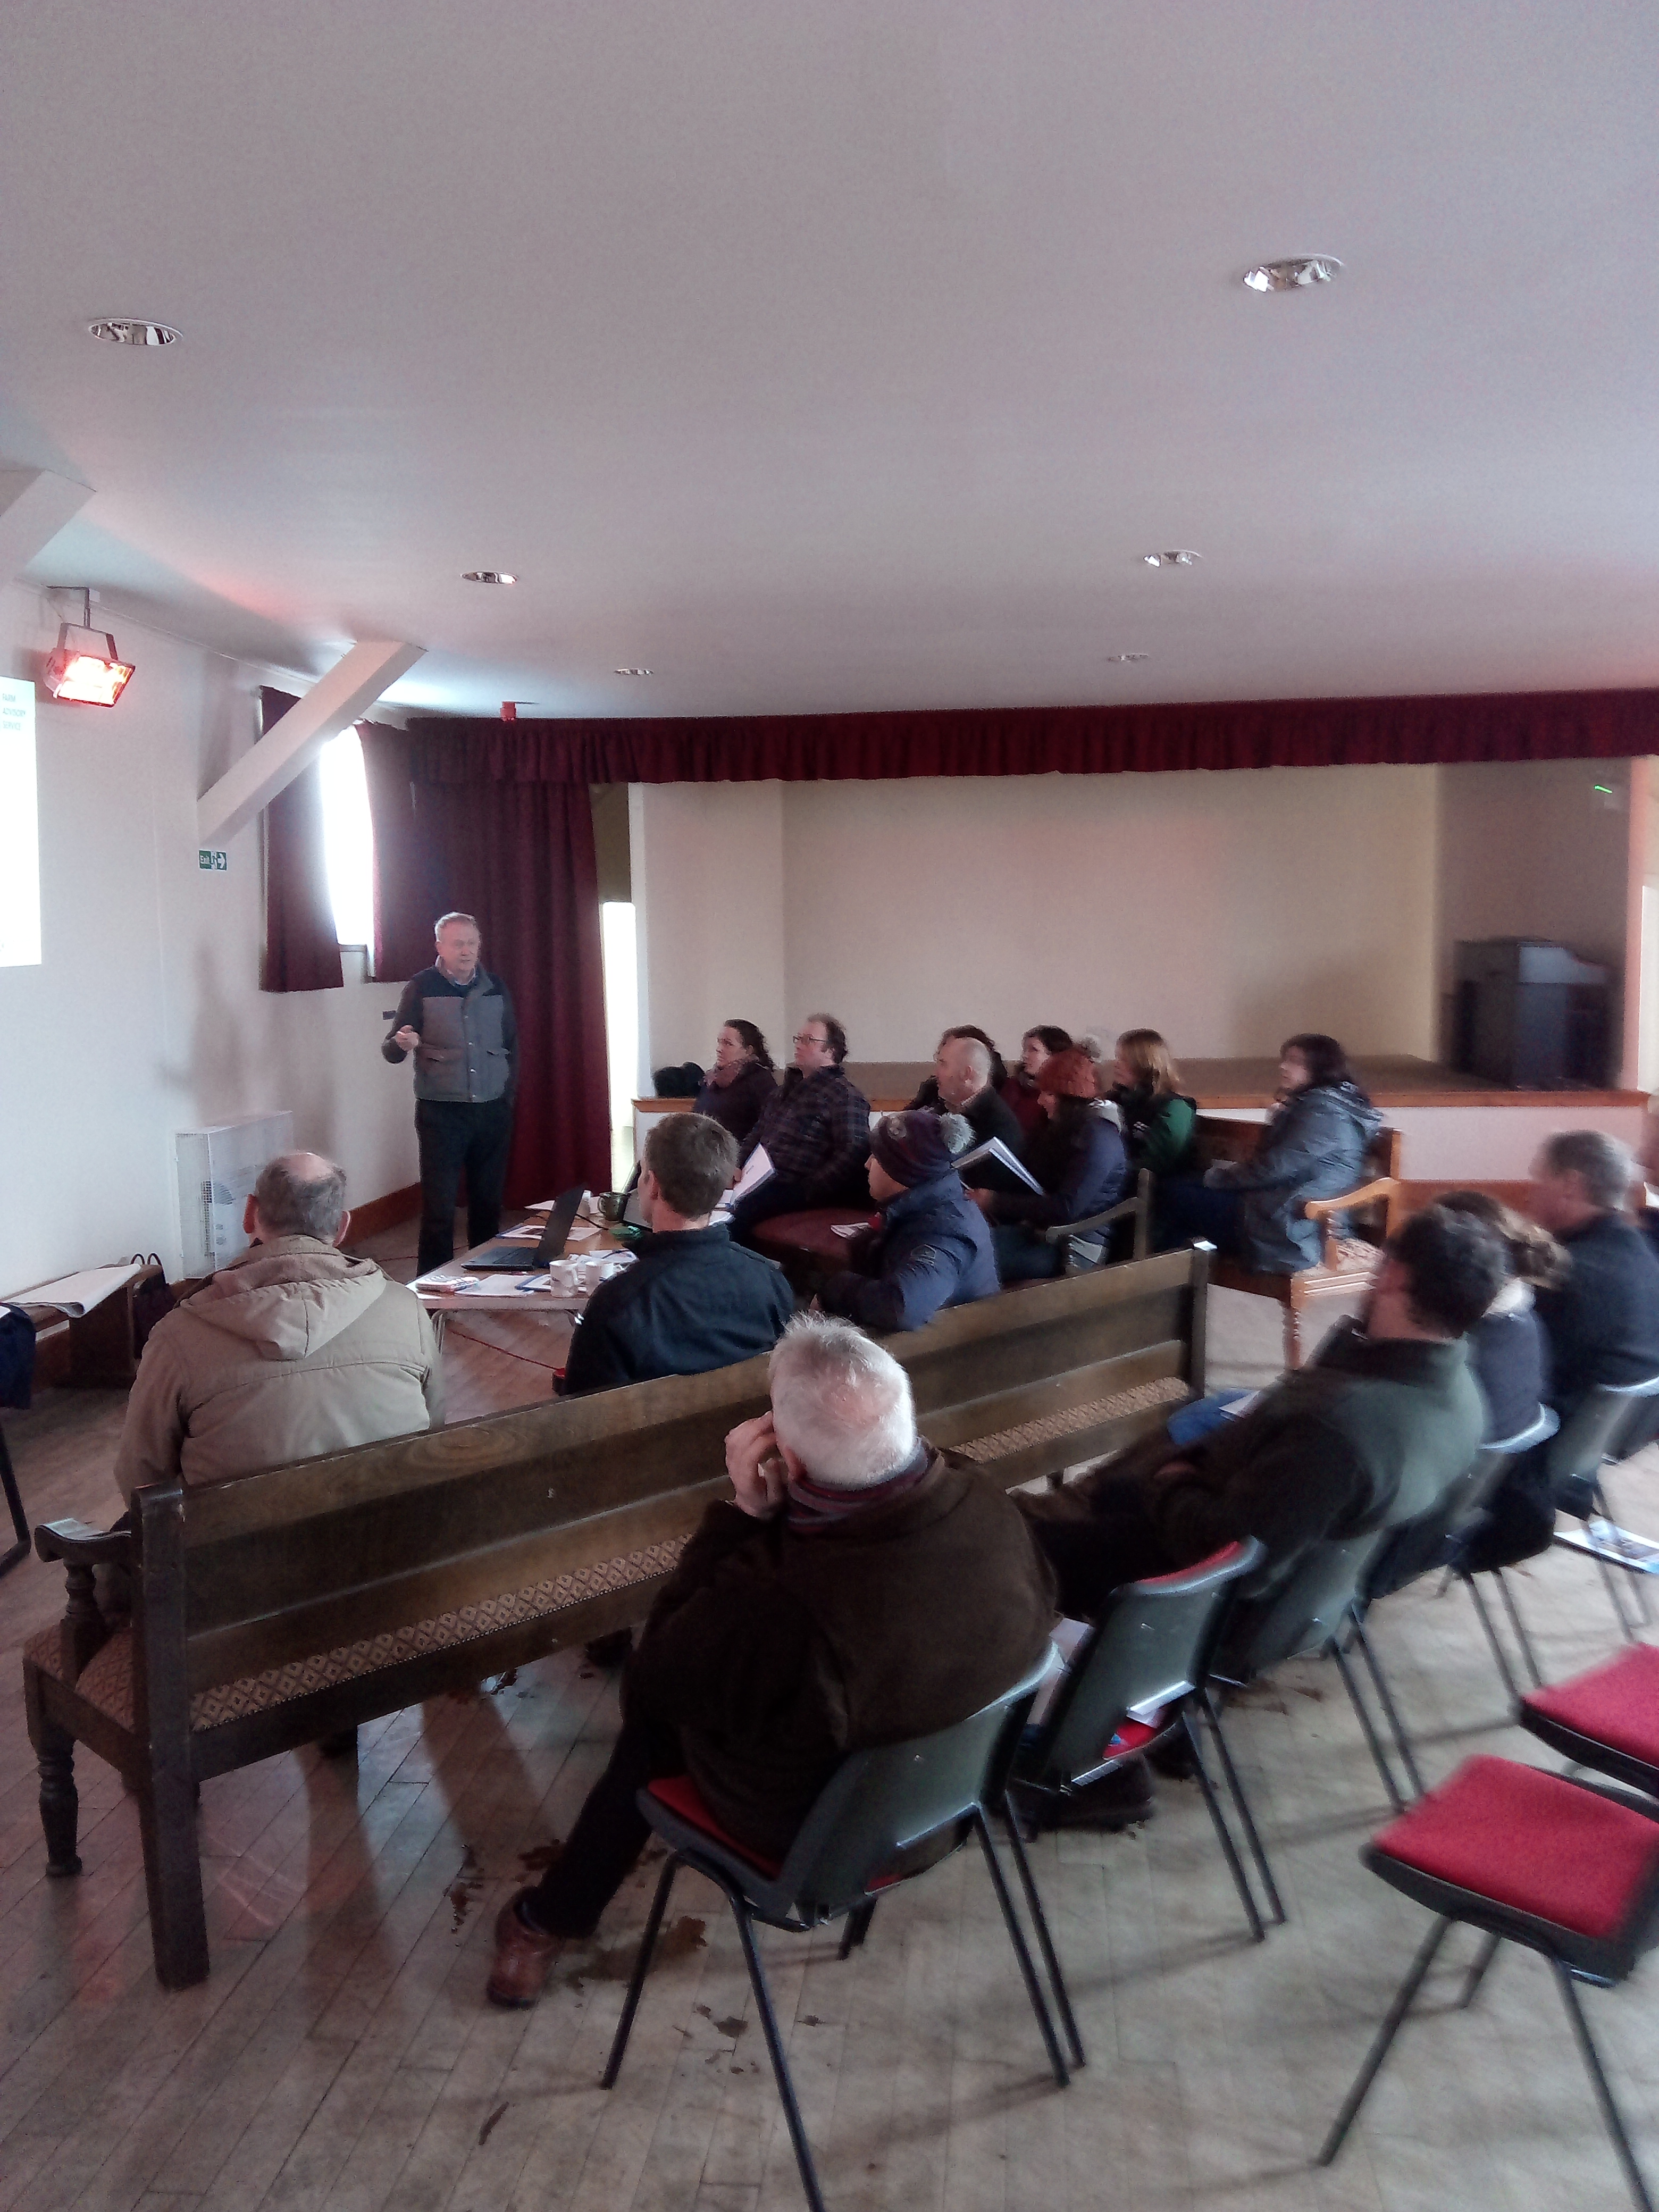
pixel 462 1055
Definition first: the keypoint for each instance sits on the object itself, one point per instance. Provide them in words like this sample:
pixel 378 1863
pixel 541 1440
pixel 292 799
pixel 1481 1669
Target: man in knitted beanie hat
pixel 931 1248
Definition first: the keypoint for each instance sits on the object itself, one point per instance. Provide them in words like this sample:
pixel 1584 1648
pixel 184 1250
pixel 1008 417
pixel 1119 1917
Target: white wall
pixel 1226 910
pixel 708 901
pixel 145 1014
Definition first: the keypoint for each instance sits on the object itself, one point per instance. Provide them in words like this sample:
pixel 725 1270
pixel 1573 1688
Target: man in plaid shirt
pixel 816 1131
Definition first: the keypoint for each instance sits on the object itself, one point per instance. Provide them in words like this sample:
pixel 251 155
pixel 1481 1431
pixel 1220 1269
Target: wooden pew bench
pixel 275 1608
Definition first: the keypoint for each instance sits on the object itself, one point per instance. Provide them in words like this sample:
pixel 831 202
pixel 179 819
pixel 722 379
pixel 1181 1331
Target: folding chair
pixel 1614 1421
pixel 1132 1685
pixel 1310 1612
pixel 864 1833
pixel 1563 1867
pixel 1608 1718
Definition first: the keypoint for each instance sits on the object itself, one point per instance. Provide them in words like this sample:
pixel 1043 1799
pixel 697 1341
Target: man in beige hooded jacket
pixel 293 1350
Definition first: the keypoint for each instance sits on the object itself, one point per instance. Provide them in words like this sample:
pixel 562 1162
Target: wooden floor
pixel 341 2054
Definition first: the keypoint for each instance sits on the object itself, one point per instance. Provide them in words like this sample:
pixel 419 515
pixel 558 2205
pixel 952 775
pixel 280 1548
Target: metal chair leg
pixel 642 1967
pixel 1045 1942
pixel 1610 2112
pixel 857 1928
pixel 1511 1687
pixel 1519 1626
pixel 1373 1741
pixel 1402 1742
pixel 1212 1803
pixel 1017 1937
pixel 20 1550
pixel 1385 2035
pixel 1644 1610
pixel 1483 1959
pixel 1241 1807
pixel 809 2177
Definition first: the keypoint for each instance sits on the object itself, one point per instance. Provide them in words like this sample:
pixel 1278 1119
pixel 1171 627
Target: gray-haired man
pixel 293 1350
pixel 457 1020
pixel 859 1589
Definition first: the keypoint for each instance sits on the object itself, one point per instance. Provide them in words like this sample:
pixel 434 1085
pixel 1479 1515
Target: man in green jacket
pixel 1367 1436
pixel 859 1589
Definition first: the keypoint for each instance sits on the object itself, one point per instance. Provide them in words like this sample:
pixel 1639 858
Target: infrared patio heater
pixel 84 668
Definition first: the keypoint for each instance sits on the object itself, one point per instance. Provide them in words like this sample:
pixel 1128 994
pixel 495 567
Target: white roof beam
pixel 34 505
pixel 333 703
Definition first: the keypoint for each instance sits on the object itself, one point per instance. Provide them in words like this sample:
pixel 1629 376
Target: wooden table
pixel 511 1347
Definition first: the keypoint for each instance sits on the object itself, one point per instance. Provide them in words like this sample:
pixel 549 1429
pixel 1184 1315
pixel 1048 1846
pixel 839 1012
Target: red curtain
pixel 518 853
pixel 1050 740
pixel 301 952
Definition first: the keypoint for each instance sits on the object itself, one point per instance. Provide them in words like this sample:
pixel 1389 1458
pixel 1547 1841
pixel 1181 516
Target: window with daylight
pixel 348 839
pixel 621 1027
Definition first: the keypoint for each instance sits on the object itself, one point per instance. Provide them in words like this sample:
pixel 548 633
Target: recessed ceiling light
pixel 1179 557
pixel 1119 657
pixel 487 576
pixel 633 671
pixel 131 330
pixel 1291 276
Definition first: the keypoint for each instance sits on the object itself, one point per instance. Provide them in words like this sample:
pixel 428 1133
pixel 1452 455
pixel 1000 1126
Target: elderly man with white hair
pixel 962 1083
pixel 859 1589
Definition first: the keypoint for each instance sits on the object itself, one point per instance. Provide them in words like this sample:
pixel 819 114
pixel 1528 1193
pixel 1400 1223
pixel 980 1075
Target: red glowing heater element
pixel 78 670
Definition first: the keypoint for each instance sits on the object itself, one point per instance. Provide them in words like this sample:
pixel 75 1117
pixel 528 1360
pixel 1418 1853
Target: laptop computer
pixel 515 1256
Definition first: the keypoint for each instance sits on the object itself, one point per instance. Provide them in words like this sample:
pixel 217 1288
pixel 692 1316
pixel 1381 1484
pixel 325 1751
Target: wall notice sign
pixel 19 828
pixel 213 857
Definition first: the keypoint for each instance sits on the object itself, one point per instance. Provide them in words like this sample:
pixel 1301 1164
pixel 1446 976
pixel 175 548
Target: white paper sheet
pixel 75 1295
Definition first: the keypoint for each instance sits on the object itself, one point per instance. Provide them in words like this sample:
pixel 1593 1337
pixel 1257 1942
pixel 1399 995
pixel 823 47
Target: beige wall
pixel 1226 910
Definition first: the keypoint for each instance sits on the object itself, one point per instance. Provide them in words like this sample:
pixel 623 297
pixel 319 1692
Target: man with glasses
pixel 816 1131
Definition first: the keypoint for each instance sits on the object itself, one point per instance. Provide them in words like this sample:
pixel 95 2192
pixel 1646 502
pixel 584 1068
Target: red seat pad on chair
pixel 1533 1842
pixel 1617 1705
pixel 681 1794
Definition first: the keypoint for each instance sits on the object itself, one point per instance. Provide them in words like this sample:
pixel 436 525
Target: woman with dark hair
pixel 1313 1146
pixel 926 1097
pixel 1075 1153
pixel 737 1087
pixel 1508 1348
pixel 1021 1089
pixel 1157 1120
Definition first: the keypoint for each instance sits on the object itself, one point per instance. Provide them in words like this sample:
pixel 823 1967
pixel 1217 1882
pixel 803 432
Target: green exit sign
pixel 212 859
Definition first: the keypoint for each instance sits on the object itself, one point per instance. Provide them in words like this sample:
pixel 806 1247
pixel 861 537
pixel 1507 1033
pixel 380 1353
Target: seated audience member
pixel 1367 1437
pixel 927 1099
pixel 692 1299
pixel 1600 1325
pixel 1314 1146
pixel 1022 1090
pixel 816 1131
pixel 858 1590
pixel 1508 1349
pixel 1158 1122
pixel 291 1349
pixel 737 1087
pixel 964 1082
pixel 931 1248
pixel 1076 1154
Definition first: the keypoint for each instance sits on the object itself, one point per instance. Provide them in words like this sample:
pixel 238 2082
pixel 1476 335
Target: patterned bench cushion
pixel 106 1681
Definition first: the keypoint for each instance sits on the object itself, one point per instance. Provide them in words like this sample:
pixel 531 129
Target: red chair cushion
pixel 1134 1735
pixel 1533 1842
pixel 1617 1705
pixel 1216 1560
pixel 681 1794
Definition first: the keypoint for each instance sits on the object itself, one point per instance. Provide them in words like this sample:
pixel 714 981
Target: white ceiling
pixel 848 354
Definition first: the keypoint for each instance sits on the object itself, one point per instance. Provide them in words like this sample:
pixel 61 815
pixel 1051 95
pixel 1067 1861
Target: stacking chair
pixel 1608 1719
pixel 1088 1244
pixel 1133 1685
pixel 1612 1423
pixel 1563 1867
pixel 866 1832
pixel 1314 1611
pixel 1490 1467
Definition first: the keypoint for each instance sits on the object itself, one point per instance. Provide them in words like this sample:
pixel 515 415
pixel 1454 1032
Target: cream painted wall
pixel 708 901
pixel 145 1016
pixel 1224 909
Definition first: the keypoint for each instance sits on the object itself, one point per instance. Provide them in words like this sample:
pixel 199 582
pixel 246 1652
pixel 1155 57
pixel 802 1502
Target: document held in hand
pixel 994 1149
pixel 755 1174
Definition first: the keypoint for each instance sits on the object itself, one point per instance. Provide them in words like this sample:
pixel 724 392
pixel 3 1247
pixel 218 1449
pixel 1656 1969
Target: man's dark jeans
pixel 1117 1544
pixel 609 1834
pixel 455 1135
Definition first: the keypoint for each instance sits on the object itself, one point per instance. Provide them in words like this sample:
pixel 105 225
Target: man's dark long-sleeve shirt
pixel 1602 1322
pixel 692 1300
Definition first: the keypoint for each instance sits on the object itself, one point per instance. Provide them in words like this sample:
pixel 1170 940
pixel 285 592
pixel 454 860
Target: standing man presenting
pixel 457 1020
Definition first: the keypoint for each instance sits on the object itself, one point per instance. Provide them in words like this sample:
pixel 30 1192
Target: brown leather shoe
pixel 524 1958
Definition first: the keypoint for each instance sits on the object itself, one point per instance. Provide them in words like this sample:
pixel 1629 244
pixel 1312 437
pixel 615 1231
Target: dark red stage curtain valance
pixel 301 952
pixel 1049 740
pixel 517 852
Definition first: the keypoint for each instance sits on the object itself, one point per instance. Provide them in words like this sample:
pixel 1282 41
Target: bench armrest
pixel 78 1546
pixel 1137 1209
